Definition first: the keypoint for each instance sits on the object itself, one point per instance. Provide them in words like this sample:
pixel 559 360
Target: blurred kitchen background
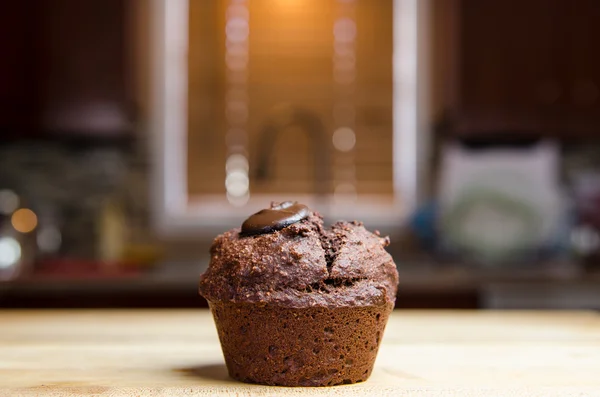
pixel 134 131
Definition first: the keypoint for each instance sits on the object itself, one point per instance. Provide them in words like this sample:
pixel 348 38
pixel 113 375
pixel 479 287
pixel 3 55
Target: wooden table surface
pixel 177 353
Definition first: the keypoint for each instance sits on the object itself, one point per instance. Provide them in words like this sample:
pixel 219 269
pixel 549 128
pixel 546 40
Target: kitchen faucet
pixel 283 118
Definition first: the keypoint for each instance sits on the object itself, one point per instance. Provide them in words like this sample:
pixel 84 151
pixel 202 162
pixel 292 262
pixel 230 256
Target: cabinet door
pixel 17 77
pixel 508 52
pixel 83 66
pixel 583 77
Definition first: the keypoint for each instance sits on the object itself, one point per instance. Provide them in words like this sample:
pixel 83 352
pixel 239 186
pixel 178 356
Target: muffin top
pixel 285 256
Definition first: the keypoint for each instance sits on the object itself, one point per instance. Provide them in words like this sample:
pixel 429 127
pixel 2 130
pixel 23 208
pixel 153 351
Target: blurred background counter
pixel 132 132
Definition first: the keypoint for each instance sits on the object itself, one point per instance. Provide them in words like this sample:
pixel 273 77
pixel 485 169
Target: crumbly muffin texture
pixel 314 346
pixel 302 265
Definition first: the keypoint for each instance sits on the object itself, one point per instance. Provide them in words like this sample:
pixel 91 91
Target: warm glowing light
pixel 237 183
pixel 238 201
pixel 292 4
pixel 238 77
pixel 345 191
pixel 237 29
pixel 236 48
pixel 344 111
pixel 345 76
pixel 344 30
pixel 237 112
pixel 237 11
pixel 343 49
pixel 236 138
pixel 236 94
pixel 344 139
pixel 237 162
pixel 236 62
pixel 24 220
pixel 344 62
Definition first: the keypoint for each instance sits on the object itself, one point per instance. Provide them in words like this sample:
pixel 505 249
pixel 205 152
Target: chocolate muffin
pixel 298 304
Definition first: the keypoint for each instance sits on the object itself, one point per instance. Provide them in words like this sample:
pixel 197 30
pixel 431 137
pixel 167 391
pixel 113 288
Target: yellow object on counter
pixel 141 255
pixel 112 232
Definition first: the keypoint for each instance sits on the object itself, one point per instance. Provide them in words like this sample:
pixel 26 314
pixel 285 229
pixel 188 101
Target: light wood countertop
pixel 177 353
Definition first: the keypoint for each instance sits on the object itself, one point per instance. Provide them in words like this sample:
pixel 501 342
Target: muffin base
pixel 315 346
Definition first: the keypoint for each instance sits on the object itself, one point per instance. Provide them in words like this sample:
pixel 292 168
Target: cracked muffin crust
pixel 300 304
pixel 304 264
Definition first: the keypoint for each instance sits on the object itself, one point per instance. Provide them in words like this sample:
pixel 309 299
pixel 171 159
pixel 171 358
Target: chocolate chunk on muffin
pixel 296 303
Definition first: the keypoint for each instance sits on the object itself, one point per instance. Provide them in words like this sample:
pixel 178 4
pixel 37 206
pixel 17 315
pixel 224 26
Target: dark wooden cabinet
pixel 530 66
pixel 582 74
pixel 17 68
pixel 64 69
pixel 508 51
